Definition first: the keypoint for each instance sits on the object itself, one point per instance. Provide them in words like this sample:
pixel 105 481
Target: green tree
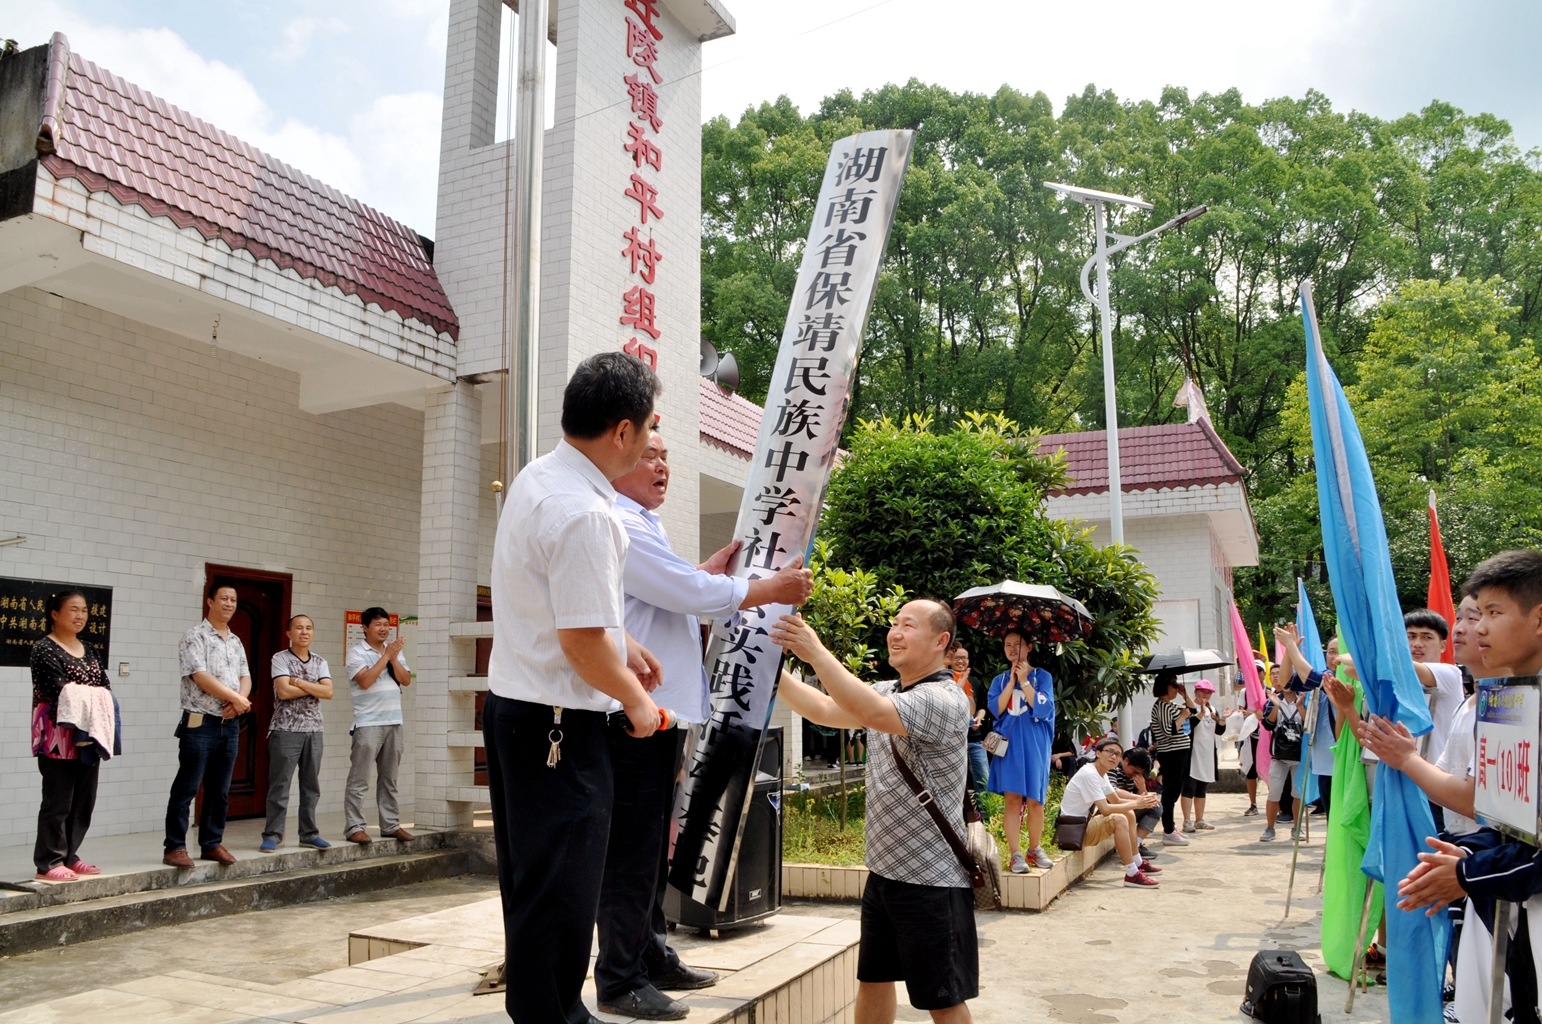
pixel 979 307
pixel 1446 401
pixel 940 512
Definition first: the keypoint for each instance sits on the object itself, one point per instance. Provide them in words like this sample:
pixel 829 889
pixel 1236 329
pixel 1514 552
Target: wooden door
pixel 262 612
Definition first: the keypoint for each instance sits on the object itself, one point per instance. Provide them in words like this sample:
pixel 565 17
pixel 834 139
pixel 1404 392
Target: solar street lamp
pixel 1107 244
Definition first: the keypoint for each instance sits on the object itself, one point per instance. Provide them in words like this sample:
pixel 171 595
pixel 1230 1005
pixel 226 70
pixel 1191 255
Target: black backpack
pixel 1288 730
pixel 1281 989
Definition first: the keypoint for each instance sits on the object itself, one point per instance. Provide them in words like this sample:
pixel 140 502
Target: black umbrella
pixel 1041 613
pixel 1182 660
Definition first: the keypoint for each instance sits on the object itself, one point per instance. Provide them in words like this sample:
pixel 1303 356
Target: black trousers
pixel 69 796
pixel 633 944
pixel 550 828
pixel 1175 773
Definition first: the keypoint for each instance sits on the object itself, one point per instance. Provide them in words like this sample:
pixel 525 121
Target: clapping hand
pixel 1433 882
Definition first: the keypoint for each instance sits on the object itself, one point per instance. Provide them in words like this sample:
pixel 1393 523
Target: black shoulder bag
pixel 977 876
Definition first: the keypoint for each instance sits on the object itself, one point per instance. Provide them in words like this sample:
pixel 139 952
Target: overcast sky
pixel 349 90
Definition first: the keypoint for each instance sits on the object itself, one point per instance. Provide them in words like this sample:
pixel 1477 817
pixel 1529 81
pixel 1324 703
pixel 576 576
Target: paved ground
pixel 269 947
pixel 1102 954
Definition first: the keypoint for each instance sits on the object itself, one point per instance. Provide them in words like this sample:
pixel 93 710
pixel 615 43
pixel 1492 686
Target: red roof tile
pixel 729 421
pixel 113 137
pixel 1150 458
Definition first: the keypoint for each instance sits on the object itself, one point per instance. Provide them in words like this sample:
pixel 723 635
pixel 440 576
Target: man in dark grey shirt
pixel 918 907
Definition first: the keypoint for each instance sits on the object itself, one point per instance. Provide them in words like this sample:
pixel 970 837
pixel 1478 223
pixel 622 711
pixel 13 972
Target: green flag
pixel 1349 828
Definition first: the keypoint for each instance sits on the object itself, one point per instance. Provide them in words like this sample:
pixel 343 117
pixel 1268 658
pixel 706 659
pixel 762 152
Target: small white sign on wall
pixel 1505 770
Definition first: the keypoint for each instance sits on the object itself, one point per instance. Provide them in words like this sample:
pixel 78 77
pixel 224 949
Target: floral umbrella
pixel 1041 613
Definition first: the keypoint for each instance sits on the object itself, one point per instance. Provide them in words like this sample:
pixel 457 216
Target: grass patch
pixel 812 833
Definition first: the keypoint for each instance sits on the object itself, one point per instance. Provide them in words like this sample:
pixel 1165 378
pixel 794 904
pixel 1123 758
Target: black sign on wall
pixel 24 617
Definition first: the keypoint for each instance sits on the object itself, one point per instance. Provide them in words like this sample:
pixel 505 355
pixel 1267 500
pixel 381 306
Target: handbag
pixel 986 892
pixel 1070 831
pixel 995 744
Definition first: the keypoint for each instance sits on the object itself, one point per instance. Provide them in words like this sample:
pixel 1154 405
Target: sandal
pixel 57 873
pixel 80 867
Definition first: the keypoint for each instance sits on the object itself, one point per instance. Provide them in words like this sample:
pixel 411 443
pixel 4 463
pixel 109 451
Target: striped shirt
pixel 1165 730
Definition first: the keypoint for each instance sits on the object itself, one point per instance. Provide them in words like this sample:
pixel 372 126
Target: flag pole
pixel 1359 961
pixel 1299 824
pixel 1496 987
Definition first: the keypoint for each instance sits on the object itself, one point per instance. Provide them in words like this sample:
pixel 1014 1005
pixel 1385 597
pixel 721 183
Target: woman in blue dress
pixel 1023 700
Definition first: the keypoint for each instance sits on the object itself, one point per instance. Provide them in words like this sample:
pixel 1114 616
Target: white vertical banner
pixel 794 455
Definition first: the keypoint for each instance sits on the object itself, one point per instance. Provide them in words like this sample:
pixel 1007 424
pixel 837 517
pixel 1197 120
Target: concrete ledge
pixel 1034 891
pixel 95 887
pixel 788 969
pixel 76 921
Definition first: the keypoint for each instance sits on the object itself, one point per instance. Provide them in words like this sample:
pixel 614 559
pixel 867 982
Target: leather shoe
pixel 401 833
pixel 684 976
pixel 177 859
pixel 646 1003
pixel 219 853
pixel 361 837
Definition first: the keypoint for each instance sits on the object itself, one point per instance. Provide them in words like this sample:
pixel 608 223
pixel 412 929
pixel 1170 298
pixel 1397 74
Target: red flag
pixel 1439 599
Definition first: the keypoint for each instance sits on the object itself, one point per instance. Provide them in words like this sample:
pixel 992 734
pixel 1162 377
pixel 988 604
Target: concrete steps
pixel 55 914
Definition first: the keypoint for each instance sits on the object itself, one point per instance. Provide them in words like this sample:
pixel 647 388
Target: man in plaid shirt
pixel 918 907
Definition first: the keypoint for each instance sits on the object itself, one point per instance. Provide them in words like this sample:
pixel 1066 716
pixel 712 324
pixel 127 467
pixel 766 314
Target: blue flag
pixel 1354 541
pixel 1320 729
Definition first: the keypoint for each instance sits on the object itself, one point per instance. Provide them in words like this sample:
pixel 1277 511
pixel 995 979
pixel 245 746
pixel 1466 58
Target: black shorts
pixel 922 935
pixel 1253 747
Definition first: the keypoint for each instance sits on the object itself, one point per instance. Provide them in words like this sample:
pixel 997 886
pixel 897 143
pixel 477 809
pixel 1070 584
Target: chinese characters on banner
pixel 24 617
pixel 639 249
pixel 1505 759
pixel 795 452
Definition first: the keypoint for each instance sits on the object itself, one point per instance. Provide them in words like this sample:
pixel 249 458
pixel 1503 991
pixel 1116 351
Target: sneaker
pixel 1267 837
pixel 1188 826
pixel 1149 868
pixel 1174 839
pixel 1204 826
pixel 1450 1013
pixel 1141 880
pixel 1252 810
pixel 1019 864
pixel 1039 859
pixel 316 843
pixel 1284 818
pixel 1146 852
pixel 268 846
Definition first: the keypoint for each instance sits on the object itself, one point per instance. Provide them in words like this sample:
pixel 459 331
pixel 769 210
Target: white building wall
pixel 132 458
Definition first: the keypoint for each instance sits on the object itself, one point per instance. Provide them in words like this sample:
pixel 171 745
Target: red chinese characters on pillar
pixel 638 303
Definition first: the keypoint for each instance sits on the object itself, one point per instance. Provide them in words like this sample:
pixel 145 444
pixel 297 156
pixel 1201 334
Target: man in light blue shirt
pixel 376 675
pixel 665 598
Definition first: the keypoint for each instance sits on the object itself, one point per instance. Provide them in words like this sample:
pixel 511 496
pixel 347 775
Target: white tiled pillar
pixel 447 593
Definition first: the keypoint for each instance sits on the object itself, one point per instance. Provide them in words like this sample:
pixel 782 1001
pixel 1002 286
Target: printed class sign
pixel 1505 770
pixel 805 410
pixel 24 617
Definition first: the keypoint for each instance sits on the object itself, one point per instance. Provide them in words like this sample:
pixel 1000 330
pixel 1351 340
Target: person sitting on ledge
pixel 1110 812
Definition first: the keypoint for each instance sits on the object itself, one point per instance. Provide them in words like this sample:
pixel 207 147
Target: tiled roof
pixel 728 421
pixel 114 137
pixel 1150 458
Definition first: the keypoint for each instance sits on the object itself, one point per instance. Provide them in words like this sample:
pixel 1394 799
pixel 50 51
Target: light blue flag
pixel 1354 541
pixel 1317 754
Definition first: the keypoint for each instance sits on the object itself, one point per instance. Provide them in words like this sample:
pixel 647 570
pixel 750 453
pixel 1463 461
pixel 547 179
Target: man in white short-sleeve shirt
pixel 561 663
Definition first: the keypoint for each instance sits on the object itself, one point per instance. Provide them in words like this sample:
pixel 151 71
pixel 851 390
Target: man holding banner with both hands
pixel 665 594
